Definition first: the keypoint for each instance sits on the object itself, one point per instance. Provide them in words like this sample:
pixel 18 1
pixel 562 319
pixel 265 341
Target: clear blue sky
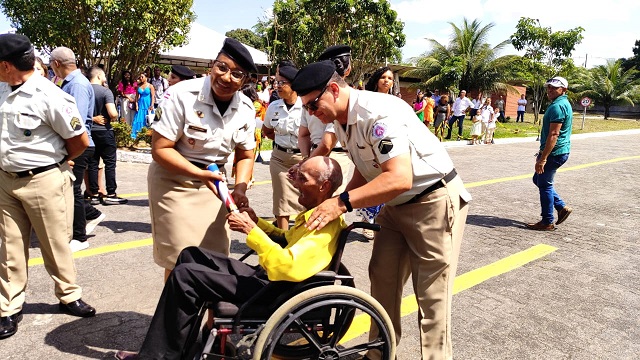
pixel 609 30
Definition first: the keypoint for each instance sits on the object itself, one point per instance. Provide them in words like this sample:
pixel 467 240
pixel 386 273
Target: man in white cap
pixel 555 143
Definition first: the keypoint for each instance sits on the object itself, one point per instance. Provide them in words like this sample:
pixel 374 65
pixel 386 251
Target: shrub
pixel 122 131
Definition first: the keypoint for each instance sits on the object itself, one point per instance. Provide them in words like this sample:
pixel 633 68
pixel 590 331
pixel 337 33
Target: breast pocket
pixel 367 160
pixel 25 126
pixel 196 135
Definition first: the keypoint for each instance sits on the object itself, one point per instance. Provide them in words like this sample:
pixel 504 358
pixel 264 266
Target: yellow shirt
pixel 307 253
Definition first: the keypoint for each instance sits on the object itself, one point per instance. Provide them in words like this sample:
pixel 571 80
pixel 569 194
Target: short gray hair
pixel 64 55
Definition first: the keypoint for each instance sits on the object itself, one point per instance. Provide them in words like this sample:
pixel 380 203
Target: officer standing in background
pixel 63 63
pixel 282 124
pixel 202 121
pixel 41 129
pixel 180 73
pixel 400 163
pixel 317 138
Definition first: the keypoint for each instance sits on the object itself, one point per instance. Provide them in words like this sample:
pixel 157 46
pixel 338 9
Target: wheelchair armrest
pixel 322 275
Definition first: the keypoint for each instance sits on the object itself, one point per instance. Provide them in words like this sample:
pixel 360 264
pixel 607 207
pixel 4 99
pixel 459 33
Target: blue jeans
pixel 520 116
pixel 549 198
pixel 451 121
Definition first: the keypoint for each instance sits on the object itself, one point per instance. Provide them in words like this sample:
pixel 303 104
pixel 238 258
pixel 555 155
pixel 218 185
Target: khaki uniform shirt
pixel 380 127
pixel 188 115
pixel 317 128
pixel 35 120
pixel 285 122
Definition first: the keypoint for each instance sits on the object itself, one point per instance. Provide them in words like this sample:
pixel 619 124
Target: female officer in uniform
pixel 201 121
pixel 282 124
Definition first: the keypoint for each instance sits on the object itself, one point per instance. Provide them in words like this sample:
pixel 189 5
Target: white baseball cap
pixel 557 82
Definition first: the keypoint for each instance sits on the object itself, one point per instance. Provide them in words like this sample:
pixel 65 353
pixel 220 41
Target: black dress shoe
pixel 9 324
pixel 78 308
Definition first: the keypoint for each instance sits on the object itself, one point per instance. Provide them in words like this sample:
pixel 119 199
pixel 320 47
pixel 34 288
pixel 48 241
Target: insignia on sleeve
pixel 385 146
pixel 75 124
pixel 379 131
pixel 158 114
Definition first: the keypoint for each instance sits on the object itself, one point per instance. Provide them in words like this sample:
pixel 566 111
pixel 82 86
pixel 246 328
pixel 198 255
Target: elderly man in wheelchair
pixel 281 304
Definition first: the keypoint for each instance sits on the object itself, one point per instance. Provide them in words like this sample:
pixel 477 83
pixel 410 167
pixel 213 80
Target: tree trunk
pixel 606 112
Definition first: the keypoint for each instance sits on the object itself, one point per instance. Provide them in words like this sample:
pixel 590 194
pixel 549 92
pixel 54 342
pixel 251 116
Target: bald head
pixel 63 55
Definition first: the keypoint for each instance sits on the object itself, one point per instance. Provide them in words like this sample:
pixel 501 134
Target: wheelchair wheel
pixel 311 324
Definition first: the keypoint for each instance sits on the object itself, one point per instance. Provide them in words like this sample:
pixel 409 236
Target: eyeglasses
pixel 281 82
pixel 313 104
pixel 222 68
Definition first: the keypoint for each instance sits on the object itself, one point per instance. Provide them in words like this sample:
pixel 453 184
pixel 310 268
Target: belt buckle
pixel 290 151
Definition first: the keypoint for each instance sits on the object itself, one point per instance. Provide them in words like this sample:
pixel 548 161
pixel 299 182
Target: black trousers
pixel 200 275
pixel 80 209
pixel 107 150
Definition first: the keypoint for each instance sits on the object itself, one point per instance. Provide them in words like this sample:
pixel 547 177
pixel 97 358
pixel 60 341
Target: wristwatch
pixel 344 197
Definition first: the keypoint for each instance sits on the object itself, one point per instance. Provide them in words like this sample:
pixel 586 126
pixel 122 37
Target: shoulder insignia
pixel 75 124
pixel 158 114
pixel 379 130
pixel 385 146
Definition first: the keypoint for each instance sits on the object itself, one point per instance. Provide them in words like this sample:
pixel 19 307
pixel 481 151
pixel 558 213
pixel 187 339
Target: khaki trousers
pixel 285 196
pixel 421 239
pixel 43 202
pixel 184 212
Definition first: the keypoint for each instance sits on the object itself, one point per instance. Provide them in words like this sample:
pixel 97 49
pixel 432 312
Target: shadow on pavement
pixel 492 222
pixel 101 336
pixel 124 226
pixel 136 202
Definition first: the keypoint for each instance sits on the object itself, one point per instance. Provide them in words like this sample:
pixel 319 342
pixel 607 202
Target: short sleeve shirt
pixel 380 127
pixel 103 96
pixel 284 122
pixel 317 128
pixel 559 111
pixel 188 115
pixel 35 121
pixel 460 105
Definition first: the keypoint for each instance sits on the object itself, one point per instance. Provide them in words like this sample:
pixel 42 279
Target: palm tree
pixel 609 84
pixel 467 62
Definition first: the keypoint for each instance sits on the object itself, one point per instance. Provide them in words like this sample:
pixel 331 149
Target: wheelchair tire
pixel 341 302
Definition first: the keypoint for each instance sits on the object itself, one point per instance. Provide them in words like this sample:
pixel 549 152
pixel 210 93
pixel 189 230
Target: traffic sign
pixel 585 101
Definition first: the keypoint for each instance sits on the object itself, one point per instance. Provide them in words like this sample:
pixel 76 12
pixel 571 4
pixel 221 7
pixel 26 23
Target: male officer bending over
pixel 201 275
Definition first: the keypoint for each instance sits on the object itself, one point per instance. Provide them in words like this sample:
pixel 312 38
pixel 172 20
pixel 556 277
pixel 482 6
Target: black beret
pixel 334 51
pixel 288 72
pixel 182 72
pixel 14 45
pixel 239 53
pixel 313 77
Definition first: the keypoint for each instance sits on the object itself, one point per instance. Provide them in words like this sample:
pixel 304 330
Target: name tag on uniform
pixel 197 128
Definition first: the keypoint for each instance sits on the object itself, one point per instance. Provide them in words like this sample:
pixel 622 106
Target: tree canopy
pixel 466 62
pixel 247 37
pixel 121 34
pixel 301 29
pixel 546 53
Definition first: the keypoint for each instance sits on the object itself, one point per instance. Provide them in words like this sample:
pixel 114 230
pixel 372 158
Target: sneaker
pixel 563 214
pixel 94 200
pixel 77 245
pixel 367 233
pixel 113 199
pixel 541 226
pixel 91 224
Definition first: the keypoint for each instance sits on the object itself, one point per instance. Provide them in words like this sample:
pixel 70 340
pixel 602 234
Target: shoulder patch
pixel 379 130
pixel 75 124
pixel 385 146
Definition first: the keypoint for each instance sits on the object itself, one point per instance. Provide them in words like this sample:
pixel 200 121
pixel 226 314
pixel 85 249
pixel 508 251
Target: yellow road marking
pixel 527 176
pixel 362 322
pixel 101 250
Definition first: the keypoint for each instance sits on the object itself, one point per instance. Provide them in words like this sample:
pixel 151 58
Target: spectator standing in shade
pixel 127 95
pixel 41 131
pixel 477 103
pixel 104 138
pixel 63 63
pixel 522 105
pixel 160 85
pixel 500 106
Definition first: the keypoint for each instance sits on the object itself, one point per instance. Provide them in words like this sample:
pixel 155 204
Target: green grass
pixel 528 128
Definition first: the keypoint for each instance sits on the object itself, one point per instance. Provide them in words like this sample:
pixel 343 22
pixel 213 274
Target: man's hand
pixel 540 166
pixel 325 213
pixel 99 119
pixel 241 222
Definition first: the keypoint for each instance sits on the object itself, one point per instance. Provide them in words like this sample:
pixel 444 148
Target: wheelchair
pixel 307 320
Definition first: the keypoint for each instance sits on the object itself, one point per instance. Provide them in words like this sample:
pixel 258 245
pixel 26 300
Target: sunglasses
pixel 313 104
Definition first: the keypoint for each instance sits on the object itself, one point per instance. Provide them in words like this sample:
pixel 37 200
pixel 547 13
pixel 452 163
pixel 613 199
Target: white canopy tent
pixel 203 46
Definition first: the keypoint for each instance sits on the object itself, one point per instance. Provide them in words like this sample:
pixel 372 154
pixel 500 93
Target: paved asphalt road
pixel 568 294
